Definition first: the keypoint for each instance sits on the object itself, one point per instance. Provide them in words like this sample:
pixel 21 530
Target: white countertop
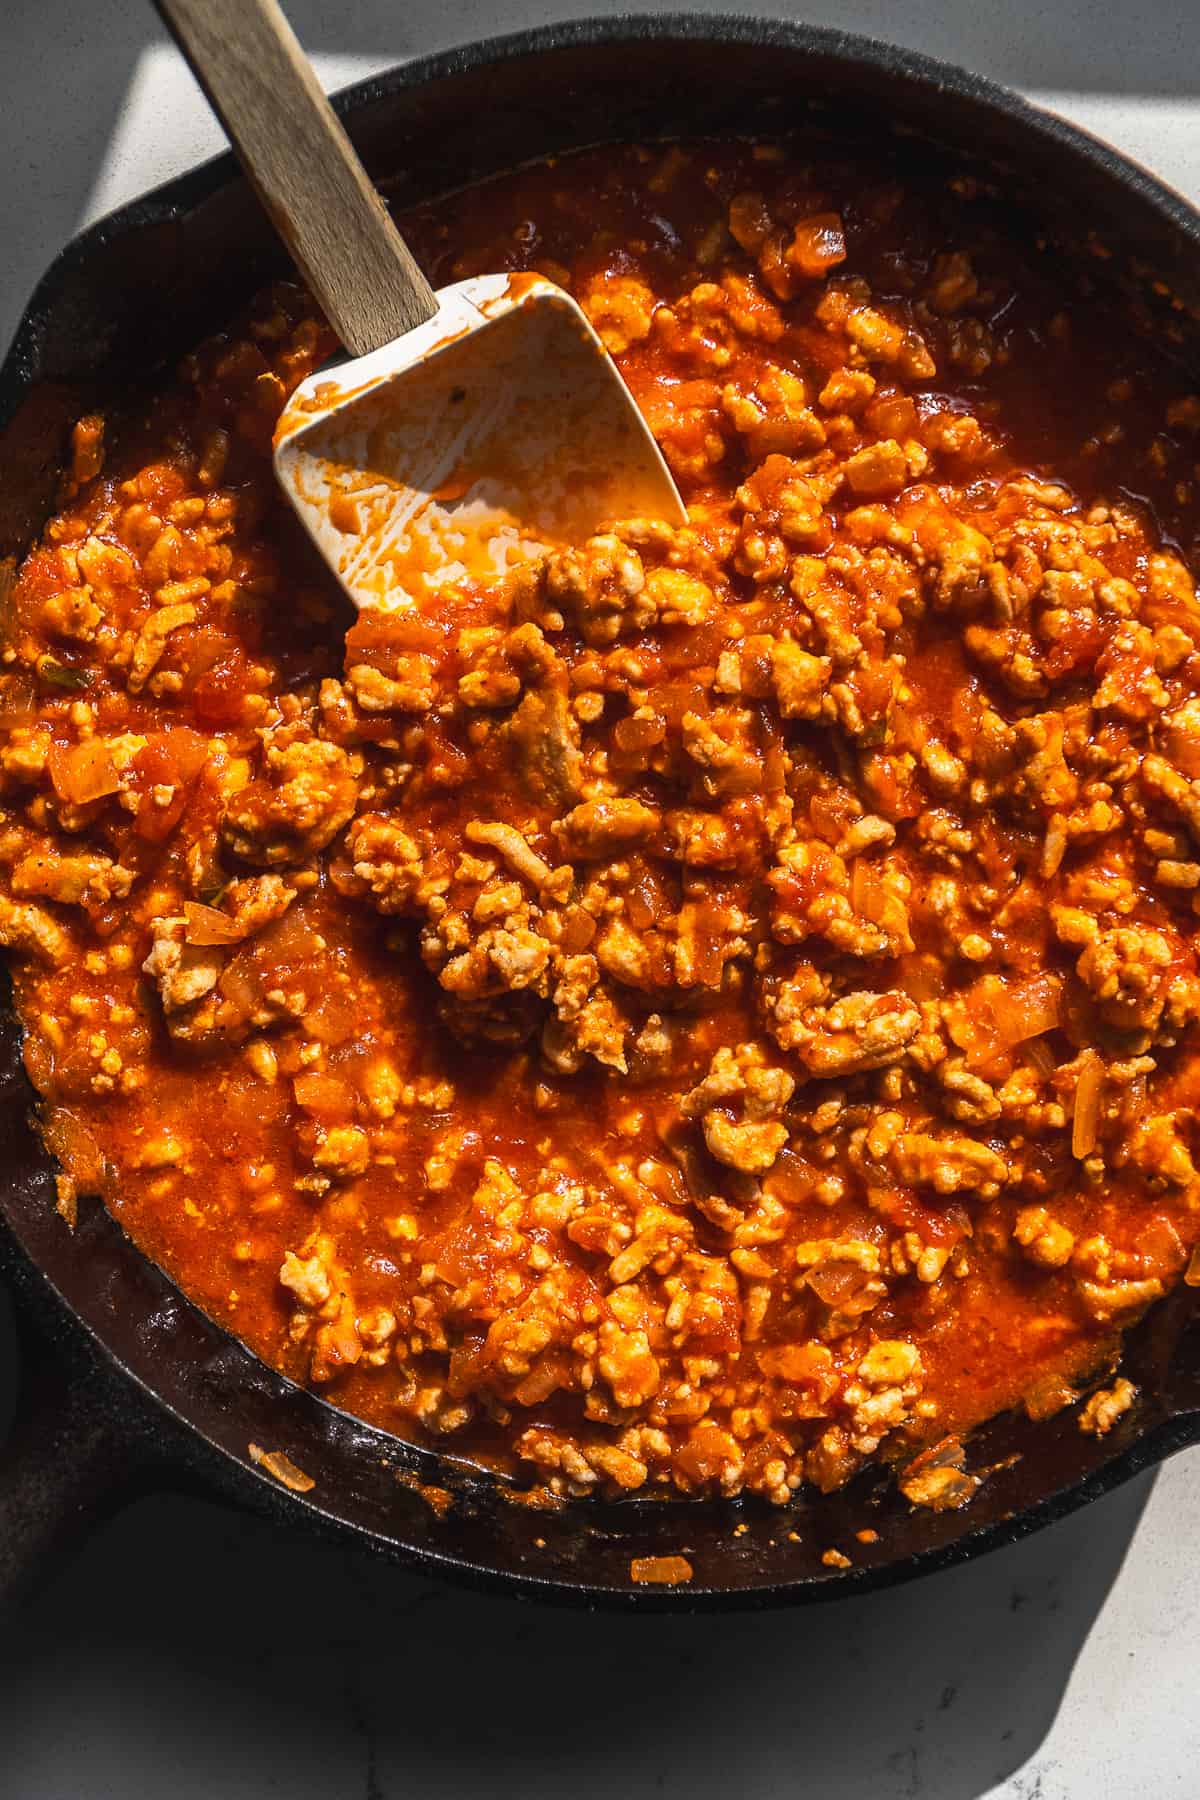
pixel 194 1653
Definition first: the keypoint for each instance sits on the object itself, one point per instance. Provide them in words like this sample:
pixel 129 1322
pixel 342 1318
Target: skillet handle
pixel 65 1463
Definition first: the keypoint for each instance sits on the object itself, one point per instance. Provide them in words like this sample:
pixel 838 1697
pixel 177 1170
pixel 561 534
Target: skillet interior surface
pixel 138 288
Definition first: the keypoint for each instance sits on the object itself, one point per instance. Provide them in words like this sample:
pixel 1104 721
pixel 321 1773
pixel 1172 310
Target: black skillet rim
pixel 20 370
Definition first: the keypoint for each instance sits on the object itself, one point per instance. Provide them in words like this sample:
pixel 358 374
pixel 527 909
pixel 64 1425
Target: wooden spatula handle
pixel 262 87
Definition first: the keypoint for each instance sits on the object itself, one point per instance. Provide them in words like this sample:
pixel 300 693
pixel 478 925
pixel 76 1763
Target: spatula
pixel 471 427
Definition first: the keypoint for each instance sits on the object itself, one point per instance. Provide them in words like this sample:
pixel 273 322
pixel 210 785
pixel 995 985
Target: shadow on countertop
pixel 242 1664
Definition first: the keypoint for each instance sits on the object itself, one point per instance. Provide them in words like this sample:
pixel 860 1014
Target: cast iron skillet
pixel 126 1383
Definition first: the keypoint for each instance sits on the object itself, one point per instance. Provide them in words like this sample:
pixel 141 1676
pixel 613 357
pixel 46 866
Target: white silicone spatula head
pixel 473 425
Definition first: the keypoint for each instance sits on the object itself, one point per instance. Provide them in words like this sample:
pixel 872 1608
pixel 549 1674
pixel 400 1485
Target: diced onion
pixel 283 1469
pixel 660 1571
pixel 837 1282
pixel 241 983
pixel 1085 1128
pixel 289 941
pixel 325 1095
pixel 1048 1396
pixel 76 1149
pixel 1192 1273
pixel 209 925
pixel 551 1371
pixel 868 894
pixel 996 1016
pixel 806 1364
pixel 83 772
pixel 1027 1009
